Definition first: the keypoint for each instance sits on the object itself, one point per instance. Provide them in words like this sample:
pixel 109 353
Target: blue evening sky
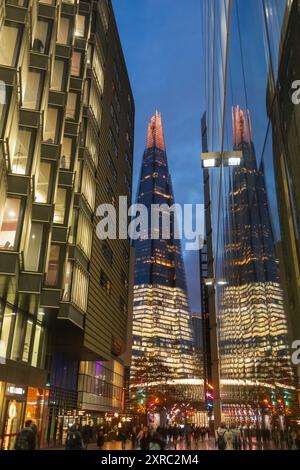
pixel 161 41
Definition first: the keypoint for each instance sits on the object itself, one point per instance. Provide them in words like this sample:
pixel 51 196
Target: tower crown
pixel 155 133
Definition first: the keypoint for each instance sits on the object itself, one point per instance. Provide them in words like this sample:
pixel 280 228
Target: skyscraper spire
pixel 155 134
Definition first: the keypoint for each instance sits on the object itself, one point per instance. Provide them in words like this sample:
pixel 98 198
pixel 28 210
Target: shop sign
pixel 12 390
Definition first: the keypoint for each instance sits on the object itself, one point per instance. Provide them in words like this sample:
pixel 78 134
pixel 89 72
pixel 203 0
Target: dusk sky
pixel 162 46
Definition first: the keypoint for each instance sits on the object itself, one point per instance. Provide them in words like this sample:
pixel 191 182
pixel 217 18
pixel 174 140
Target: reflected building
pixel 244 239
pixel 161 316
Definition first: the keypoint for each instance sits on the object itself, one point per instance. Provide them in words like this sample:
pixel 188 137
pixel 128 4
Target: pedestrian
pixel 74 439
pixel 87 435
pixel 188 436
pixel 123 437
pixel 26 438
pixel 223 438
pixel 144 438
pixel 100 439
pixel 236 437
pixel 155 442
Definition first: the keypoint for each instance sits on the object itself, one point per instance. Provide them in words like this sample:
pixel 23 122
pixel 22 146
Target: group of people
pixel 167 436
pixel 238 437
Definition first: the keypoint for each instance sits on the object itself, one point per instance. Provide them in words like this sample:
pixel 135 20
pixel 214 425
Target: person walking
pixel 123 437
pixel 223 438
pixel 26 438
pixel 156 443
pixel 144 438
pixel 74 439
pixel 87 435
pixel 100 439
pixel 236 437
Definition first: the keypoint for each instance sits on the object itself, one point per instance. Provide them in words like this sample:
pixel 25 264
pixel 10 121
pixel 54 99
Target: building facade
pixel 66 139
pixel 254 361
pixel 161 317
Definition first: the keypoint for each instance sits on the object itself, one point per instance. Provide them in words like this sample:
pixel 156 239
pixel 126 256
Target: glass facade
pixel 243 60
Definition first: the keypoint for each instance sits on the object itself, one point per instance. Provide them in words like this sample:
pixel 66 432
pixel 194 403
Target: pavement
pixel 208 444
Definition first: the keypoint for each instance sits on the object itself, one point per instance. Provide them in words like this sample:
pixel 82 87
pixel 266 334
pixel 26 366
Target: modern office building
pixel 253 364
pixel 66 138
pixel 284 116
pixel 161 316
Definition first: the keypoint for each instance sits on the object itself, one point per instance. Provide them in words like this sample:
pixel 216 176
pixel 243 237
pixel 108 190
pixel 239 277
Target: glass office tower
pixel 256 373
pixel 161 316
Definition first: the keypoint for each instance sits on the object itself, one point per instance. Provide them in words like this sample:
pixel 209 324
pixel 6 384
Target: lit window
pixel 5 330
pixel 10 223
pixel 66 153
pixel 80 26
pixel 33 249
pixel 80 288
pixel 84 234
pixel 22 152
pixel 68 282
pixel 33 91
pixel 41 42
pixel 58 75
pixel 71 106
pixel 76 64
pixel 10 36
pixel 51 126
pixel 60 206
pixel 27 341
pixel 88 187
pixel 52 274
pixel 63 36
pixel 43 187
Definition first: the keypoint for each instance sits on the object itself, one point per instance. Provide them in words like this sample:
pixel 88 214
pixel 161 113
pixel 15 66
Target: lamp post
pixel 211 160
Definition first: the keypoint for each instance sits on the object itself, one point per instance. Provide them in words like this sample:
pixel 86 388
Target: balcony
pixel 9 263
pixel 47 11
pixel 69 312
pixel 38 60
pixel 16 13
pixel 30 283
pixel 19 185
pixel 42 212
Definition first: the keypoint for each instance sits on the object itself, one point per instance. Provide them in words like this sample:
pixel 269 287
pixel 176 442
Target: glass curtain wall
pixel 242 60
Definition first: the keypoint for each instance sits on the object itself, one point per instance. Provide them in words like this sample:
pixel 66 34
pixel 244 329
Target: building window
pixel 76 64
pixel 9 224
pixel 95 103
pixel 18 336
pixel 88 187
pixel 43 187
pixel 42 37
pixel 80 28
pixel 34 246
pixel 66 153
pixel 64 31
pixel 33 91
pixel 60 206
pixel 52 274
pixel 80 288
pixel 38 336
pixel 27 341
pixel 68 282
pixel 10 35
pixel 92 144
pixel 84 234
pixel 6 321
pixel 22 153
pixel 58 81
pixel 51 126
pixel 98 68
pixel 105 282
pixel 5 97
pixel 71 106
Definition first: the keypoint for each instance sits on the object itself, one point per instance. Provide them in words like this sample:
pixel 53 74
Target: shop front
pixel 17 405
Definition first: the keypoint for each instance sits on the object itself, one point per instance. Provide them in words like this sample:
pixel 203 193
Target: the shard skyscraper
pixel 161 316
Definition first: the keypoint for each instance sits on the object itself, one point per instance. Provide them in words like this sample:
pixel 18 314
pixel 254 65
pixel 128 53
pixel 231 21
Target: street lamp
pixel 232 158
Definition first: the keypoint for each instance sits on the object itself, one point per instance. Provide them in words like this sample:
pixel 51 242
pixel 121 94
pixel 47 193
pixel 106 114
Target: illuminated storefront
pixel 17 405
